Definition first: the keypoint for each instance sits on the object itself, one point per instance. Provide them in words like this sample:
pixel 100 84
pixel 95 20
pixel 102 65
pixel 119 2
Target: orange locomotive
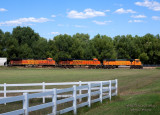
pixel 133 63
pixel 71 63
pixel 33 62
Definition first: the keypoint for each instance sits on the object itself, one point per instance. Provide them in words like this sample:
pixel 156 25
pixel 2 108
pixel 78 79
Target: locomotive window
pixel 49 59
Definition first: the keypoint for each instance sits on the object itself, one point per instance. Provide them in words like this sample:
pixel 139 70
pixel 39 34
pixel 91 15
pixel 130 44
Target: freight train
pixel 72 63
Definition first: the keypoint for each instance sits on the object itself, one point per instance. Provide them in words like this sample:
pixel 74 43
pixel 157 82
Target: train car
pixel 33 62
pixel 71 63
pixel 113 63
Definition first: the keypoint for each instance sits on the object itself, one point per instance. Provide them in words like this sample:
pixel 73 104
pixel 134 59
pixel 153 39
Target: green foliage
pixel 12 48
pixel 25 51
pixel 104 47
pixel 25 35
pixel 1 42
pixel 144 57
pixel 40 48
pixel 23 42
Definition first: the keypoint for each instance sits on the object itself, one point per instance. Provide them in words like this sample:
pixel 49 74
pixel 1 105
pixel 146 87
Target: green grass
pixel 138 89
pixel 142 104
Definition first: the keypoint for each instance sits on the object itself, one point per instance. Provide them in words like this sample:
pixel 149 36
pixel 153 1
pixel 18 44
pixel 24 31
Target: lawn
pixel 139 90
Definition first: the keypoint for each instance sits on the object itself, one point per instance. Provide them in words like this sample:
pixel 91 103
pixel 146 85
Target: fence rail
pixel 102 89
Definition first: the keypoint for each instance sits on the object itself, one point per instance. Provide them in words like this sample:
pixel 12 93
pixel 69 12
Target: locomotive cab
pixel 95 59
pixel 136 64
pixel 49 59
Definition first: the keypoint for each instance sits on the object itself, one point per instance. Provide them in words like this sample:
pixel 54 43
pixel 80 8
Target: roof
pixel 71 59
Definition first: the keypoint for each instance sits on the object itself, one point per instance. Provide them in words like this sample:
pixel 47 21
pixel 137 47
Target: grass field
pixel 139 90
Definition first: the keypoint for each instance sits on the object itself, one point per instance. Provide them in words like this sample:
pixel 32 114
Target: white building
pixel 3 61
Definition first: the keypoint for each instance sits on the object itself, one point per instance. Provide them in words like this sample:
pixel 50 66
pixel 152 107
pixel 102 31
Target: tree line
pixel 23 42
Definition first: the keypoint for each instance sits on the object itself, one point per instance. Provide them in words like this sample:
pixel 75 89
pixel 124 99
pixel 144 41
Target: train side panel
pixel 32 62
pixel 74 63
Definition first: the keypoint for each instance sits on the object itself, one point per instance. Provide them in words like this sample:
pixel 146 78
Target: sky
pixel 106 17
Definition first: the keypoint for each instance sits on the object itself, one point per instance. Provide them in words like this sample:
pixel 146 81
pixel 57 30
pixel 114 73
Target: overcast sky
pixel 106 17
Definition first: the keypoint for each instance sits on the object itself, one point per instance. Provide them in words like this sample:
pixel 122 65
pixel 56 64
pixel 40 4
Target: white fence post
pixel 54 100
pixel 75 99
pixel 5 91
pixel 116 86
pixel 80 91
pixel 110 89
pixel 101 91
pixel 89 94
pixel 25 103
pixel 43 88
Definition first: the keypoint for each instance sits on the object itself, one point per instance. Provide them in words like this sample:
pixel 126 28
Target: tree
pixel 144 58
pixel 104 47
pixel 25 35
pixel 52 49
pixel 25 51
pixel 150 47
pixel 90 51
pixel 80 42
pixel 62 46
pixel 1 42
pixel 5 45
pixel 12 48
pixel 124 46
pixel 40 48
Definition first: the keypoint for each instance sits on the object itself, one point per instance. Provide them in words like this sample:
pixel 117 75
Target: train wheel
pixel 97 67
pixel 113 67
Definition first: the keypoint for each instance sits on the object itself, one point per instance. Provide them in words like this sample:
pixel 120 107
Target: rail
pixel 104 90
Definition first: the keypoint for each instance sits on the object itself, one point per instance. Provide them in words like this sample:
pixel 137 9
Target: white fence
pixel 43 86
pixel 102 89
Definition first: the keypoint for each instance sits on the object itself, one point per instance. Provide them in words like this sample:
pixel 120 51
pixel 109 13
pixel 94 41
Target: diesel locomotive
pixel 72 63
